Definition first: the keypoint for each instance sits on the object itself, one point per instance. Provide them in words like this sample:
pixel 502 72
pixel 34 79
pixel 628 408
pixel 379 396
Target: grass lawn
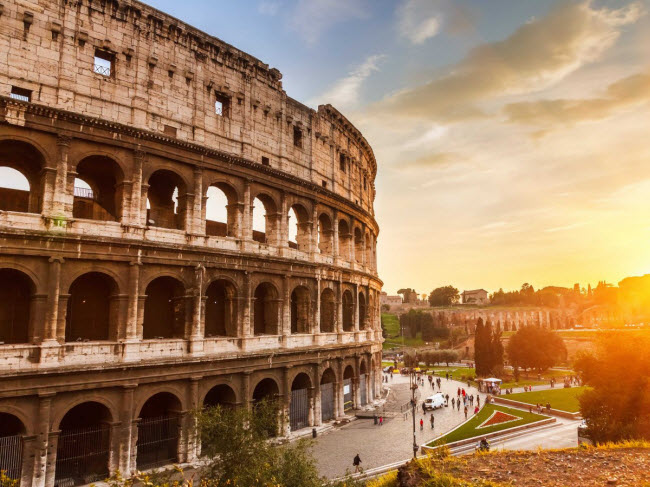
pixel 457 373
pixel 561 398
pixel 468 430
pixel 393 340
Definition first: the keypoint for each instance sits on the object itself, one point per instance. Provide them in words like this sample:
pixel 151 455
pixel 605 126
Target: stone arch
pixel 368 249
pixel 221 214
pixel 27 160
pixel 327 311
pixel 92 312
pixel 266 388
pixel 302 238
pixel 362 310
pixel 345 238
pixel 300 401
pixel 100 198
pixel 265 309
pixel 325 234
pixel 166 200
pixel 359 247
pixel 87 424
pixel 328 384
pixel 158 431
pixel 221 309
pixel 16 306
pixel 164 309
pixel 265 227
pixel 300 310
pixel 347 303
pixel 220 394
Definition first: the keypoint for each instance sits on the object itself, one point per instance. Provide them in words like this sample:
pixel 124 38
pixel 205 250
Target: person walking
pixel 432 420
pixel 381 421
pixel 424 408
pixel 447 399
pixel 421 424
pixel 478 401
pixel 453 403
pixel 357 463
pixel 458 405
pixel 465 412
pixel 476 410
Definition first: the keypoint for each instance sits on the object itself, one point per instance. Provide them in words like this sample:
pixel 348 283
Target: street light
pixel 414 386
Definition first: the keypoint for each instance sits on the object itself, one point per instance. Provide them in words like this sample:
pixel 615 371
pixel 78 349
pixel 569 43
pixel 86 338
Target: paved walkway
pixel 393 441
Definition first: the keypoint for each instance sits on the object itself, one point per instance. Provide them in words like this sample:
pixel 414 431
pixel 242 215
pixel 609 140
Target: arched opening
pixel 358 245
pixel 92 309
pixel 166 200
pixel 265 311
pixel 348 392
pixel 21 177
pixel 300 403
pixel 344 239
pixel 362 311
pixel 11 445
pixel 98 189
pixel 220 309
pixel 164 309
pixel 348 311
pixel 84 445
pixel 220 395
pixel 325 234
pixel 327 311
pixel 264 218
pixel 221 211
pixel 300 310
pixel 16 291
pixel 327 394
pixel 369 259
pixel 267 390
pixel 363 383
pixel 158 431
pixel 299 228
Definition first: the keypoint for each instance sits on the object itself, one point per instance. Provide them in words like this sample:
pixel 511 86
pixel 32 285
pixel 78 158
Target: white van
pixel 434 402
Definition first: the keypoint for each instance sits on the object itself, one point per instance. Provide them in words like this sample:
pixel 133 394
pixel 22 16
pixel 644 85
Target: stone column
pixel 335 236
pixel 286 401
pixel 339 402
pixel 197 330
pixel 355 300
pixel 198 220
pixel 316 321
pixel 247 217
pixel 30 453
pixel 126 431
pixel 282 221
pixel 135 212
pixel 144 191
pixel 42 441
pixel 131 334
pixel 59 199
pixel 339 307
pixel 37 318
pixel 246 393
pixel 193 440
pixel 61 322
pixel 115 442
pixel 313 244
pixel 285 324
pixel 52 444
pixel 246 321
pixel 356 383
pixel 53 291
pixel 311 417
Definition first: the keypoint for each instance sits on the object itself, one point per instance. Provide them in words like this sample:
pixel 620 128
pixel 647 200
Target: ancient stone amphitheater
pixel 175 231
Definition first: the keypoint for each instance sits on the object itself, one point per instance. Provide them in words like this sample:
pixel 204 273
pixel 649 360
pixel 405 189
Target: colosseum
pixel 175 232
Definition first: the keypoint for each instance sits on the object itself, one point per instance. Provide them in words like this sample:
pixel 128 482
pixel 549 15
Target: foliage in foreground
pixel 6 481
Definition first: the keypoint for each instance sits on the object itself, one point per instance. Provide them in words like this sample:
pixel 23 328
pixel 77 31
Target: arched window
pixel 21 172
pixel 300 402
pixel 358 245
pixel 300 310
pixel 299 228
pixel 166 200
pixel 84 443
pixel 158 431
pixel 220 395
pixel 264 218
pixel 89 315
pixel 164 309
pixel 267 390
pixel 327 311
pixel 221 211
pixel 220 309
pixel 362 311
pixel 98 189
pixel 348 311
pixel 344 240
pixel 11 445
pixel 265 311
pixel 325 234
pixel 16 291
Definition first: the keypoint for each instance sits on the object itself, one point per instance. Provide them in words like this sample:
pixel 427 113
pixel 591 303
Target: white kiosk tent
pixel 491 385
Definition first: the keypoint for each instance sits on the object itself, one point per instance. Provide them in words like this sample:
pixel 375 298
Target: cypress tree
pixel 479 348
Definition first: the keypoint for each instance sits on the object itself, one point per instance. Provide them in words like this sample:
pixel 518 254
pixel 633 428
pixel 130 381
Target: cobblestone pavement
pixel 392 442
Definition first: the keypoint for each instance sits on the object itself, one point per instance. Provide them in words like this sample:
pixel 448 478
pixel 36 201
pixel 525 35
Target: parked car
pixel 389 369
pixel 434 402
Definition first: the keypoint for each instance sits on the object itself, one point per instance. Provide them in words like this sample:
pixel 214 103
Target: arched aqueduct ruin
pixel 185 234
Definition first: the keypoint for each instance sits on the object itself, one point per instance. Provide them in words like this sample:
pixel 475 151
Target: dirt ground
pixel 576 467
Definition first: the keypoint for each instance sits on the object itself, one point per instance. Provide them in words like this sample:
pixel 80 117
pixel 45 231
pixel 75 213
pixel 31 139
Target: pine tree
pixel 479 348
pixel 487 345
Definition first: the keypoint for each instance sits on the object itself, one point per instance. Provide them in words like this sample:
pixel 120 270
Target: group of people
pixel 437 381
pixel 540 409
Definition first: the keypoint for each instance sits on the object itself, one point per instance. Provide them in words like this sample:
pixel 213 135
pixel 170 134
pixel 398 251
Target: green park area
pixel 471 429
pixel 564 399
pixel 393 338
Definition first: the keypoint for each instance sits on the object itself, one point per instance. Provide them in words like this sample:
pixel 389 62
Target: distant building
pixel 476 296
pixel 385 299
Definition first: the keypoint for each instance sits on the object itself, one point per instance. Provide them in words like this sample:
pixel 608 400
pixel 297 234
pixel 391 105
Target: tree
pixel 496 351
pixel 480 349
pixel 617 407
pixel 535 348
pixel 444 296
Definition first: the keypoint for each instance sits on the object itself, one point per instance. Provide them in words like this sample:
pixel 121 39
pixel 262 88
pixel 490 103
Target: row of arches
pixel 99 192
pixel 89 433
pixel 94 300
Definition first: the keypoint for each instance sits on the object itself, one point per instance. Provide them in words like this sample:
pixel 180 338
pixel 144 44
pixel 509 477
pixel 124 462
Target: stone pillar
pixel 37 318
pixel 356 383
pixel 144 191
pixel 193 440
pixel 318 413
pixel 340 400
pixel 246 321
pixel 311 395
pixel 53 291
pixel 41 466
pixel 335 236
pixel 235 219
pixel 133 460
pixel 316 321
pixel 197 329
pixel 61 321
pixel 339 307
pixel 132 307
pixel 30 453
pixel 246 393
pixel 282 221
pixel 247 217
pixel 115 442
pixel 52 444
pixel 285 323
pixel 286 401
pixel 134 216
pixel 187 203
pixel 197 220
pixel 125 431
pixel 59 201
pixel 313 244
pixel 355 300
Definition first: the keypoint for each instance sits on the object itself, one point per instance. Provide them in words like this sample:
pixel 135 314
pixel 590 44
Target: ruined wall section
pixel 166 77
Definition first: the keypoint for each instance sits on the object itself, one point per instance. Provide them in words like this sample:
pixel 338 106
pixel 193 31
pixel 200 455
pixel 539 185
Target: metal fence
pixel 299 409
pixel 362 385
pixel 11 455
pixel 347 394
pixel 327 401
pixel 80 192
pixel 157 442
pixel 82 456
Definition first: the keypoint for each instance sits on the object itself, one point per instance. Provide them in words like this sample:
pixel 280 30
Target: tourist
pixel 476 409
pixel 483 445
pixel 421 424
pixel 458 393
pixel 478 401
pixel 453 403
pixel 548 407
pixel 424 408
pixel 357 463
pixel 446 399
pixel 381 421
pixel 458 405
pixel 432 420
pixel 465 412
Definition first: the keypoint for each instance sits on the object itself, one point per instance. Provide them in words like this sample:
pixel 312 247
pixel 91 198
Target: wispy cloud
pixel 538 54
pixel 269 7
pixel 311 18
pixel 418 20
pixel 346 92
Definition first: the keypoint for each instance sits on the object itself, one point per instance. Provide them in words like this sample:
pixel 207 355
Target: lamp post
pixel 414 386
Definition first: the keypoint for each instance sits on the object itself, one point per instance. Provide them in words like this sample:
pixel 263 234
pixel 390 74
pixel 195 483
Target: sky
pixel 512 137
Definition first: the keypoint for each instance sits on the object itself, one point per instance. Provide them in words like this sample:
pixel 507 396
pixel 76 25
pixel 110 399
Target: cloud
pixel 268 7
pixel 537 55
pixel 311 18
pixel 430 161
pixel 418 20
pixel 346 92
pixel 626 93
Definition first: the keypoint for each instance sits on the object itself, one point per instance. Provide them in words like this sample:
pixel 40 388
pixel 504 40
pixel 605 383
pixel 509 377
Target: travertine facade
pixel 124 305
